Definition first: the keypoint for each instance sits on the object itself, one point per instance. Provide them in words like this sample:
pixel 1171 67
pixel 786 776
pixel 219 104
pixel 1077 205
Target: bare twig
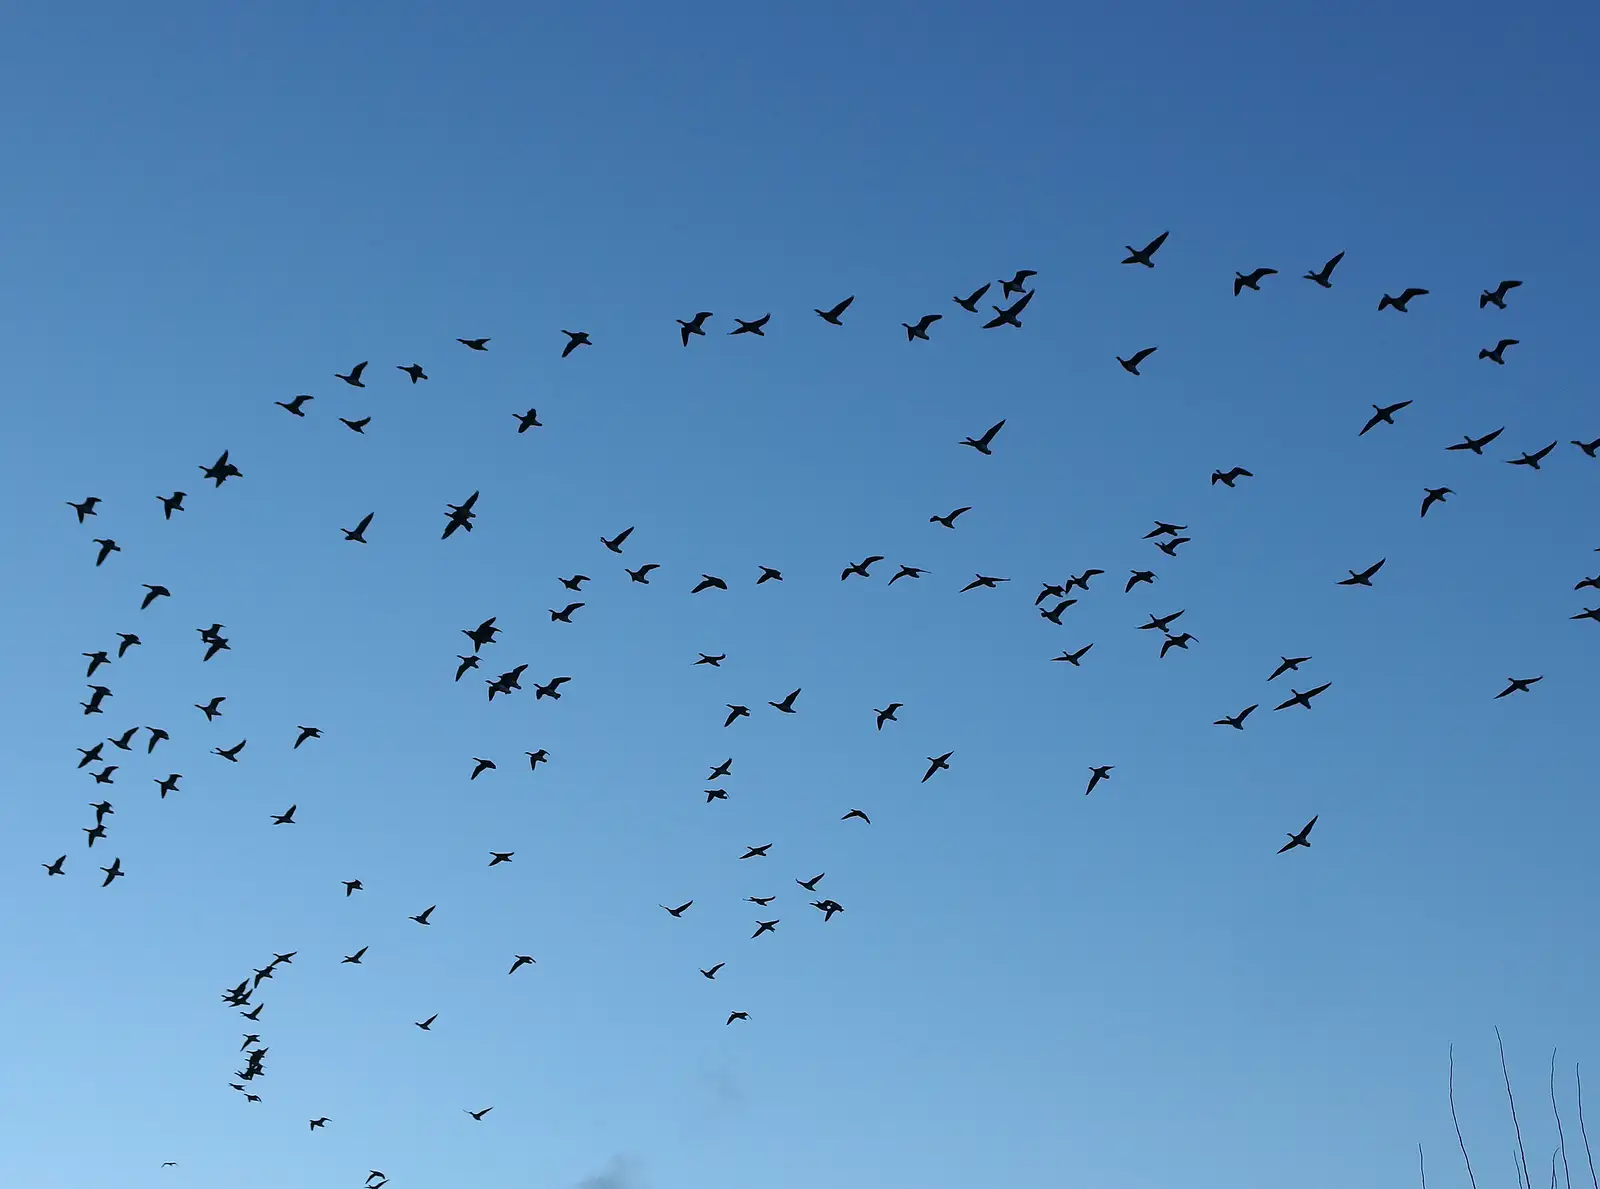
pixel 1577 1072
pixel 1421 1168
pixel 1465 1158
pixel 1560 1134
pixel 1505 1073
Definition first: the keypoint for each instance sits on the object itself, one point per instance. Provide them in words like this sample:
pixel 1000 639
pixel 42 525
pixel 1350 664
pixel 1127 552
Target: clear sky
pixel 213 208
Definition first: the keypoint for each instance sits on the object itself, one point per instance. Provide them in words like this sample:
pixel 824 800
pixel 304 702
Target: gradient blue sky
pixel 211 210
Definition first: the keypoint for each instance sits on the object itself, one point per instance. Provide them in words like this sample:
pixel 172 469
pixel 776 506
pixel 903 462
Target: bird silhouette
pixel 475 344
pixel 550 689
pixel 832 316
pixel 861 567
pixel 642 574
pixel 56 868
pixel 1017 283
pixel 107 548
pixel 1303 838
pixel 154 593
pixel 286 818
pixel 1365 577
pixel 764 927
pixel 171 503
pixel 1400 303
pixel 887 714
pixel 768 574
pixel 351 886
pixel 169 785
pixel 528 420
pixel 1053 614
pixel 358 534
pixel 479 767
pixel 459 516
pixel 906 572
pixel 1138 576
pixel 754 328
pixel 970 302
pixel 712 973
pixel 354 377
pixel 125 740
pixel 1073 658
pixel 1180 641
pixel 1476 445
pixel 1145 254
pixel 422 917
pixel 1532 460
pixel 127 640
pixel 575 339
pixel 519 961
pixel 985 581
pixel 708 582
pixel 1325 277
pixel 478 1115
pixel 1287 665
pixel 1518 685
pixel 714 661
pixel 427 1025
pixel 1496 354
pixel 1497 297
pixel 787 705
pixel 1096 775
pixel 1302 699
pixel 1229 477
pixel 359 425
pixel 756 852
pixel 1592 449
pixel 565 614
pixel 1432 496
pixel 981 444
pixel 723 769
pixel 1235 721
pixel 735 712
pixel 949 519
pixel 920 330
pixel 222 470
pixel 1251 280
pixel 680 910
pixel 936 764
pixel 695 325
pixel 535 758
pixel 321 1122
pixel 414 371
pixel 86 508
pixel 496 857
pixel 615 543
pixel 856 813
pixel 1384 414
pixel 231 754
pixel 1131 364
pixel 113 872
pixel 1008 315
pixel 738 1015
pixel 295 407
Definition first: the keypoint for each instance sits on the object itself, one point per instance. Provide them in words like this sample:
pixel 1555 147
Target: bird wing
pixel 1151 247
pixel 1022 302
pixel 1332 264
pixel 365 520
pixel 988 435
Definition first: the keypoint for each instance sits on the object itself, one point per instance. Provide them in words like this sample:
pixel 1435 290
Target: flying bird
pixel 1325 277
pixel 1229 477
pixel 981 444
pixel 1017 283
pixel 359 426
pixel 985 581
pixel 738 1015
pixel 1384 414
pixel 1589 448
pixel 478 1115
pixel 496 857
pixel 1251 280
pixel 735 712
pixel 358 534
pixel 155 592
pixel 107 548
pixel 1073 658
pixel 709 582
pixel 231 754
pixel 422 917
pixel 887 713
pixel 1008 316
pixel 535 758
pixel 714 661
pixel 1496 354
pixel 427 1025
pixel 768 574
pixel 222 470
pixel 695 325
pixel 460 516
pixel 286 818
pixel 520 961
pixel 936 764
pixel 528 420
pixel 1301 839
pixel 1476 445
pixel 615 543
pixel 764 927
pixel 1518 685
pixel 1131 364
pixel 1365 577
pixel 354 378
pixel 1302 699
pixel 86 508
pixel 1145 254
pixel 1288 664
pixel 906 572
pixel 680 910
pixel 787 705
pixel 575 339
pixel 642 574
pixel 128 640
pixel 970 302
pixel 1235 721
pixel 479 767
pixel 832 316
pixel 475 344
pixel 171 503
pixel 114 871
pixel 861 567
pixel 565 614
pixel 856 813
pixel 56 868
pixel 414 371
pixel 296 407
pixel 1138 576
pixel 756 852
pixel 1400 303
pixel 1180 641
pixel 1497 297
pixel 1096 775
pixel 949 519
pixel 752 327
pixel 305 734
pixel 1531 460
pixel 920 330
pixel 1434 495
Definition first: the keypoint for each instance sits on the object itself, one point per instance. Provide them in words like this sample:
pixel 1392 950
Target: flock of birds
pixel 1052 602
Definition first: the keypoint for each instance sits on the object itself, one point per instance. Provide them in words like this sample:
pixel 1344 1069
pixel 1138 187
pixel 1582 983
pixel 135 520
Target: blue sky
pixel 212 211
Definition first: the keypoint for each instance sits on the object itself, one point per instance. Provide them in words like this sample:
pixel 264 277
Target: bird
pixel 936 764
pixel 496 857
pixel 680 910
pixel 1531 460
pixel 1592 449
pixel 1138 576
pixel 519 962
pixel 479 767
pixel 723 769
pixel 716 795
pixel 535 758
pixel 887 713
pixel 1162 529
pixel 104 775
pixel 154 593
pixel 615 543
pixel 1180 641
pixel 550 689
pixel 714 661
pixel 1229 477
pixel 1325 277
pixel 1496 354
pixel 756 852
pixel 422 917
pixel 359 425
pixel 222 470
pixel 768 574
pixel 761 900
pixel 414 371
pixel 1287 665
pixel 575 339
pixel 985 581
pixel 738 1015
pixel 427 1025
pixel 354 377
pixel 1582 584
pixel 86 508
pixel 949 519
pixel 708 582
pixel 107 548
pixel 1476 445
pixel 1235 721
pixel 171 503
pixel 91 755
pixel 94 832
pixel 475 344
pixel 1251 280
pixel 1096 775
pixel 1017 283
pixel 752 327
pixel 295 406
pixel 322 1122
pixel 1400 303
pixel 351 886
pixel 1518 685
pixel 112 872
pixel 712 973
pixel 127 640
pixel 1072 658
pixel 1365 577
pixel 861 567
pixel 970 302
pixel 478 1115
pixel 169 1164
pixel 1302 699
pixel 231 754
pixel 483 634
pixel 1131 364
pixel 1053 614
pixel 528 420
pixel 695 325
pixel 96 659
pixel 1008 315
pixel 827 908
pixel 832 316
pixel 467 662
pixel 214 645
pixel 575 582
pixel 1160 623
pixel 906 572
pixel 1588 613
pixel 856 813
pixel 787 705
pixel 981 444
pixel 56 868
pixel 735 712
pixel 1301 839
pixel 1144 255
pixel 357 534
pixel 286 818
pixel 764 927
pixel 460 516
pixel 1432 496
pixel 1384 414
pixel 810 885
pixel 254 1013
pixel 565 614
pixel 169 785
pixel 920 330
pixel 642 574
pixel 1497 297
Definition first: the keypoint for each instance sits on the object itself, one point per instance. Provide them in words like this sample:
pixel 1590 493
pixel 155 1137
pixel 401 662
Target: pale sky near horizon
pixel 210 211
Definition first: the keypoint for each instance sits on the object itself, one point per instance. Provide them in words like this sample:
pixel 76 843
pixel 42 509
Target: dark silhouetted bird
pixel 295 406
pixel 642 574
pixel 520 961
pixel 738 1015
pixel 107 548
pixel 575 339
pixel 906 572
pixel 1497 353
pixel 735 712
pixel 95 831
pixel 565 614
pixel 460 516
pixel 1180 641
pixel 359 426
pixel 550 689
pixel 354 378
pixel 1017 283
pixel 1160 624
pixel 467 662
pixel 833 315
pixel 751 327
pixel 222 470
pixel 478 1115
pixel 764 927
pixel 128 640
pixel 112 872
pixel 984 581
pixel 981 444
pixel 768 574
pixel 1251 280
pixel 1302 699
pixel 322 1122
pixel 810 885
pixel 761 900
pixel 154 593
pixel 171 503
pixel 1008 315
pixel 1229 477
pixel 680 910
pixel 575 582
pixel 1235 721
pixel 1518 685
pixel 949 519
pixel 86 508
pixel 1432 496
pixel 695 325
pixel 1365 577
pixel 286 818
pixel 1384 414
pixel 887 714
pixel 358 534
pixel 479 767
pixel 861 567
pixel 1145 255
pixel 936 764
pixel 56 868
pixel 723 769
pixel 1531 460
pixel 1131 364
pixel 483 634
pixel 475 344
pixel 970 302
pixel 615 543
pixel 1053 614
pixel 528 420
pixel 1325 277
pixel 1301 839
pixel 787 705
pixel 1476 445
pixel 1400 303
pixel 714 661
pixel 1096 775
pixel 169 785
pixel 535 758
pixel 422 917
pixel 712 973
pixel 920 330
pixel 496 857
pixel 1138 576
pixel 96 659
pixel 715 795
pixel 756 852
pixel 306 733
pixel 1073 658
pixel 1589 448
pixel 1288 664
pixel 414 371
pixel 91 755
pixel 709 582
pixel 351 886
pixel 856 813
pixel 1497 297
pixel 231 754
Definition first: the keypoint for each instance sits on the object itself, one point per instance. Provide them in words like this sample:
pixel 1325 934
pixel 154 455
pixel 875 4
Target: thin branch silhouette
pixel 1505 1073
pixel 1421 1168
pixel 1465 1158
pixel 1577 1072
pixel 1560 1133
